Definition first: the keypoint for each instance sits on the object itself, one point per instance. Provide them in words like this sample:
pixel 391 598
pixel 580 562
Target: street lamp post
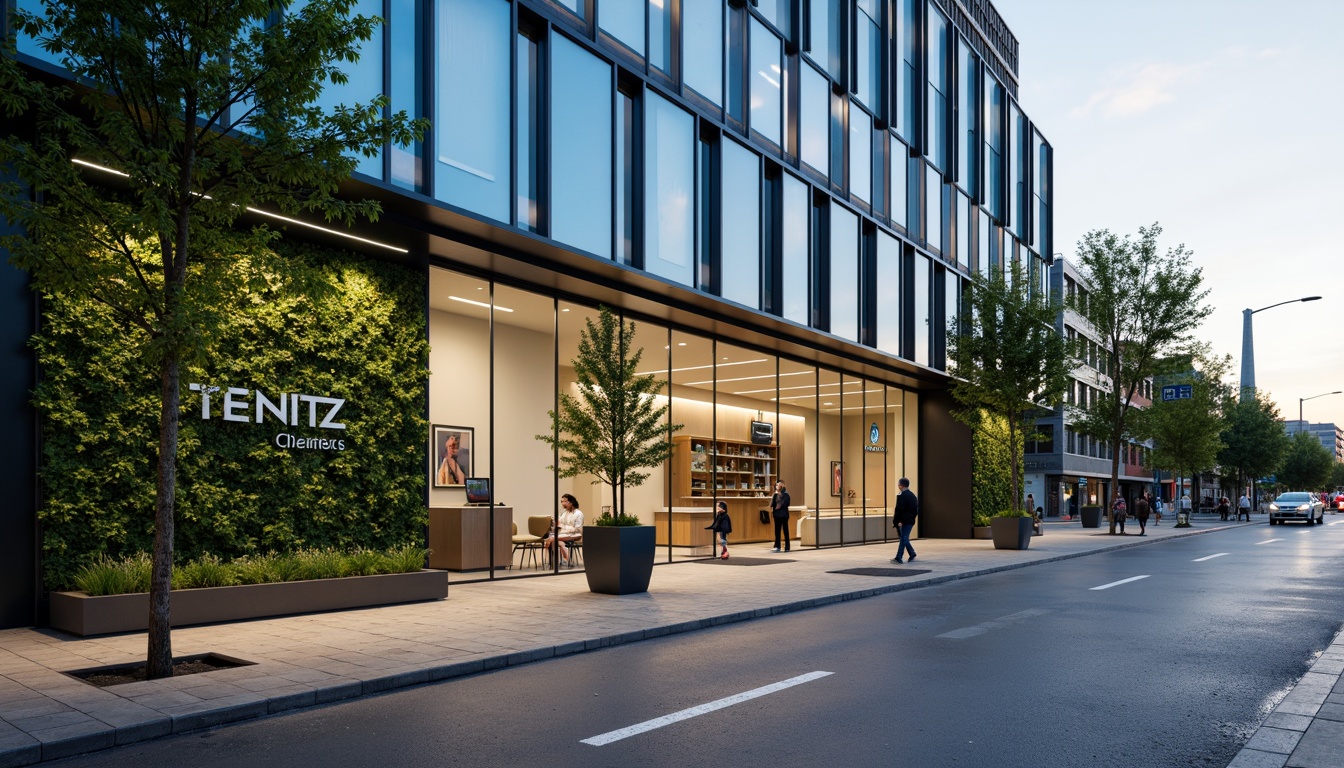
pixel 1301 423
pixel 1248 344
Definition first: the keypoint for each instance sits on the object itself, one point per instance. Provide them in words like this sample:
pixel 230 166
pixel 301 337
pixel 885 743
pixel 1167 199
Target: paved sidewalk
pixel 320 658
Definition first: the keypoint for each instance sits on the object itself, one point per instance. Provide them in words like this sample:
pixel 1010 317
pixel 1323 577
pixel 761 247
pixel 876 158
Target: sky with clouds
pixel 1220 119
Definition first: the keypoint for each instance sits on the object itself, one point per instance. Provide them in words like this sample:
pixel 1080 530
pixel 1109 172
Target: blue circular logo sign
pixel 874 434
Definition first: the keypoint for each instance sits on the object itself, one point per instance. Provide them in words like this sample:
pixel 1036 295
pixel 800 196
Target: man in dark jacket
pixel 907 512
pixel 779 508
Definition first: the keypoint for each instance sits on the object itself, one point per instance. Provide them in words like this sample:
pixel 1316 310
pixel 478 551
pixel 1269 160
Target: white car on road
pixel 1297 505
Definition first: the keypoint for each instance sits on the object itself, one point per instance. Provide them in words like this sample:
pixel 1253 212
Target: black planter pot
pixel 1011 532
pixel 618 560
pixel 1091 517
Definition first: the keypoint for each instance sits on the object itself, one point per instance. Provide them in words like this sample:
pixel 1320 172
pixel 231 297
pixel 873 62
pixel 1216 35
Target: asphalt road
pixel 1033 667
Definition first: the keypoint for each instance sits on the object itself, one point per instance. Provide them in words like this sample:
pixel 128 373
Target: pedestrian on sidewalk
pixel 779 509
pixel 1120 511
pixel 1141 511
pixel 722 525
pixel 1157 511
pixel 1244 508
pixel 1185 506
pixel 1224 508
pixel 904 517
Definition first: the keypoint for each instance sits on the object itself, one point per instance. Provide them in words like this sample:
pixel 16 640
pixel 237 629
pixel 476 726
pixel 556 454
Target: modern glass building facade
pixel 788 197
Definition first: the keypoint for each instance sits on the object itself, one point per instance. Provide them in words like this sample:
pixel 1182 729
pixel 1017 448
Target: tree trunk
pixel 1115 483
pixel 1012 457
pixel 159 662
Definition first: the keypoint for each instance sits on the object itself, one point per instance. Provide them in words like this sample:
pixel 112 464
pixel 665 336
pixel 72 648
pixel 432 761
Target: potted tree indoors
pixel 613 430
pixel 1008 363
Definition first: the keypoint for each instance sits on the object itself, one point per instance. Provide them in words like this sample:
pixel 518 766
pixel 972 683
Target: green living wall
pixel 991 470
pixel 355 329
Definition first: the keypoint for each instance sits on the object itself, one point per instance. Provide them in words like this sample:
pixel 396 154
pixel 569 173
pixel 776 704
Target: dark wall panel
pixel 944 470
pixel 18 440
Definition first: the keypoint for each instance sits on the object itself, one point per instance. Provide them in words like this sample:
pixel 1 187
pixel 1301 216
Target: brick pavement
pixel 303 661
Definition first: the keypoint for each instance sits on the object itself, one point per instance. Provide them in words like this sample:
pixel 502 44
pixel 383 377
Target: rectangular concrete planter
pixel 80 614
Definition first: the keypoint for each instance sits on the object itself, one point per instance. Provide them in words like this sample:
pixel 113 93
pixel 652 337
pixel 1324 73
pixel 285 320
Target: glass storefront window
pixel 669 191
pixel 581 141
pixel 740 224
pixel 889 303
pixel 844 273
pixel 837 475
pixel 796 265
pixel 695 470
pixel 814 119
pixel 767 77
pixel 860 154
pixel 624 21
pixel 702 67
pixel 471 126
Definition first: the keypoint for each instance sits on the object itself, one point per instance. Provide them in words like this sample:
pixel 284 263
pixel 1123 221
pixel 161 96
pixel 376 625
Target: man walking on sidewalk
pixel 907 511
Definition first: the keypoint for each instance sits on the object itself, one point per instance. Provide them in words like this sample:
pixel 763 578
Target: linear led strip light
pixel 260 212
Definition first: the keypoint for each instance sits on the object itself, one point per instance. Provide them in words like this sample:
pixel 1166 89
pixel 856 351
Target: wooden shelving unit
pixel 726 469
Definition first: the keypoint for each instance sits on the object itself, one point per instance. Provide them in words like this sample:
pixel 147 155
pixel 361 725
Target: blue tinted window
pixel 527 147
pixel 964 213
pixel 767 75
pixel 777 12
pixel 921 319
pixel 982 252
pixel 814 119
pixel 574 5
pixel 914 183
pixel 471 127
pixel 407 86
pixel 867 52
pixel 365 77
pixel 907 93
pixel 844 273
pixel 888 294
pixel 660 34
pixel 623 20
pixel 29 45
pixel 838 105
pixel 993 96
pixel 900 157
pixel 1040 156
pixel 951 304
pixel 936 141
pixel 933 209
pixel 825 35
pixel 795 250
pixel 1016 157
pixel 626 144
pixel 860 154
pixel 968 101
pixel 702 68
pixel 581 148
pixel 740 251
pixel 669 190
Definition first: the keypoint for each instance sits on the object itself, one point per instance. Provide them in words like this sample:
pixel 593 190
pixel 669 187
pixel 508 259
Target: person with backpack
pixel 722 525
pixel 1120 511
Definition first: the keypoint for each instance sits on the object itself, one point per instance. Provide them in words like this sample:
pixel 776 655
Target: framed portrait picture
pixel 452 455
pixel 837 478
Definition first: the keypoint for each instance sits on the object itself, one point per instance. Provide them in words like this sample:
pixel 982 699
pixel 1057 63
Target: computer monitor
pixel 478 490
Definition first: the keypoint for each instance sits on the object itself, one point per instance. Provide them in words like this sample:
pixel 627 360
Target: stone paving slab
pixel 316 659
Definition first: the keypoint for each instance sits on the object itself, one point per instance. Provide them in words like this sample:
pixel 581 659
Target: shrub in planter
pixel 1012 530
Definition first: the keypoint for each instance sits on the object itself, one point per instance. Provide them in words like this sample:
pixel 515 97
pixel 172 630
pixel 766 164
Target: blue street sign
pixel 1177 392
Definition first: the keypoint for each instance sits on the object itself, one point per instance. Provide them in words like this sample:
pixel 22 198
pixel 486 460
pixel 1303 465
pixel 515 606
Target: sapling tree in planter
pixel 613 430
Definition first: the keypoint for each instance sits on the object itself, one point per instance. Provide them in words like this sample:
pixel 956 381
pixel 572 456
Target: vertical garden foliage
pixel 991 469
pixel 360 336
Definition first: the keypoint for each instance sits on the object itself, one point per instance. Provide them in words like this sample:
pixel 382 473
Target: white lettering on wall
pixel 237 404
pixel 231 406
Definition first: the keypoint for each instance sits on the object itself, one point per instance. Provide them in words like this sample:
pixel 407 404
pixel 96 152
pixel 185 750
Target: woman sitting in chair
pixel 571 528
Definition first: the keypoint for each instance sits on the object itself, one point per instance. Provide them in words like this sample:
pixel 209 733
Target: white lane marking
pixel 1337 522
pixel 1267 541
pixel 686 714
pixel 1117 583
pixel 1210 557
pixel 1002 621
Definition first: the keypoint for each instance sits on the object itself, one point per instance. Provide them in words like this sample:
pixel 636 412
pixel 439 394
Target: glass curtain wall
pixel 581 142
pixel 740 225
pixel 472 145
pixel 748 436
pixel 702 67
pixel 831 469
pixel 797 403
pixel 669 190
pixel 695 473
pixel 795 250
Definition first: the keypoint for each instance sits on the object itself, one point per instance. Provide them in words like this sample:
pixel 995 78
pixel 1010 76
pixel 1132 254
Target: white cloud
pixel 1141 89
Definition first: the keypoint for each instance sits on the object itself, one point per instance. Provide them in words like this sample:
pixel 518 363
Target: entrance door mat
pixel 892 572
pixel 744 561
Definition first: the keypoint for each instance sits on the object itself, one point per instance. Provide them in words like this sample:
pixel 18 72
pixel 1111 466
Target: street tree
pixel 1253 439
pixel 1008 362
pixel 1337 476
pixel 614 429
pixel 1143 306
pixel 1187 432
pixel 202 110
pixel 1306 464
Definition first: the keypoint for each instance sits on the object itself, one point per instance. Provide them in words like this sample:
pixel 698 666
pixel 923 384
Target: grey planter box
pixel 80 614
pixel 1011 532
pixel 1091 517
pixel 618 560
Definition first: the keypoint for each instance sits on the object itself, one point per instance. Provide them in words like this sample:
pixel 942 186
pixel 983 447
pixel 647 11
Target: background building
pixel 1331 436
pixel 788 197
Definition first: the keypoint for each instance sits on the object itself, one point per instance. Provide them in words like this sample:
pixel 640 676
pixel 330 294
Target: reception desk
pixel 688 523
pixel 824 527
pixel 459 537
